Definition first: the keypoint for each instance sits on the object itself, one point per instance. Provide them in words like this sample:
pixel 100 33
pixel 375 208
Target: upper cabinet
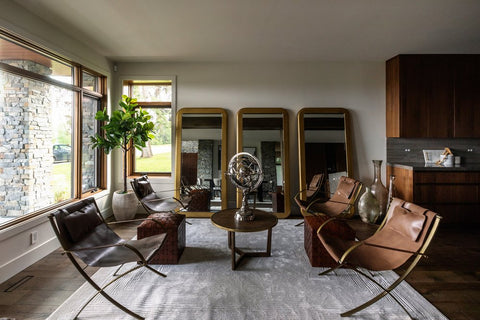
pixel 433 96
pixel 467 97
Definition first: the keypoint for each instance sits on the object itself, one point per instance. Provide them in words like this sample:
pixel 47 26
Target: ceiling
pixel 265 30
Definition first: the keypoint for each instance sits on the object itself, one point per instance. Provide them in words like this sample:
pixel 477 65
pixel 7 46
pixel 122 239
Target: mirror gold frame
pixel 285 153
pixel 301 141
pixel 223 161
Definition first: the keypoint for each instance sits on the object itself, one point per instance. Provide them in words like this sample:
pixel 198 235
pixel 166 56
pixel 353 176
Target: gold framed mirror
pixel 201 159
pixel 263 132
pixel 324 146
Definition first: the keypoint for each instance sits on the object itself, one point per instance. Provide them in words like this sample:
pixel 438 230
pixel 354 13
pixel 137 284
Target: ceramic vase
pixel 377 187
pixel 368 207
pixel 124 205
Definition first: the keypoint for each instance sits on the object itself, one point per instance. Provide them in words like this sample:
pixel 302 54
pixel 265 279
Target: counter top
pixel 420 166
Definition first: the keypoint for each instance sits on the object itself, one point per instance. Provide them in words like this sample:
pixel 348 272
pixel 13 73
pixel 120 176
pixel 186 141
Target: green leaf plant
pixel 127 127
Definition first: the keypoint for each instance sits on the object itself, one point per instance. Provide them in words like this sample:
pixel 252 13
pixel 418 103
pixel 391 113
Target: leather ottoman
pixel 174 226
pixel 317 254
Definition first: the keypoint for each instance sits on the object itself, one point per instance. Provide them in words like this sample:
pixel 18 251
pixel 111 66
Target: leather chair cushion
pixel 82 222
pixel 315 181
pixel 345 187
pixel 144 188
pixel 406 222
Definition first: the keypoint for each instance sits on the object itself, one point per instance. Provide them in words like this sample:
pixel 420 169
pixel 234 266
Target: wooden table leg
pixel 243 254
pixel 269 242
pixel 231 238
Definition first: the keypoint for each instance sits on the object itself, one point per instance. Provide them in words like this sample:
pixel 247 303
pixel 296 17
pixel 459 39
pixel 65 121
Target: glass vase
pixel 392 193
pixel 368 208
pixel 377 187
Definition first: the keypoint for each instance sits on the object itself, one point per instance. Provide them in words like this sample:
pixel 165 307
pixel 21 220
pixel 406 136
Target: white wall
pixel 16 251
pixel 357 86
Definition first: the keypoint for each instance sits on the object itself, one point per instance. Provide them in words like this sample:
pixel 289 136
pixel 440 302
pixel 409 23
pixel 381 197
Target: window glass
pixel 89 81
pixel 36 144
pixel 157 156
pixel 150 92
pixel 26 59
pixel 90 106
pixel 156 98
pixel 40 139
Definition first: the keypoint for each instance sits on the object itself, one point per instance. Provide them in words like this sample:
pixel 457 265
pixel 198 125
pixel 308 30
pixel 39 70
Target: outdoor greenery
pixel 160 162
pixel 163 126
pixel 127 127
pixel 61 181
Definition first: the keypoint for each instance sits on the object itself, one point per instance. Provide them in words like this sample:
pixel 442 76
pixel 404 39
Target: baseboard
pixel 26 259
pixel 19 256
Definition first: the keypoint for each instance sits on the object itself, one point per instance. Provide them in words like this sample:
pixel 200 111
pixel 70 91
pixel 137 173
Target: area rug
pixel 283 286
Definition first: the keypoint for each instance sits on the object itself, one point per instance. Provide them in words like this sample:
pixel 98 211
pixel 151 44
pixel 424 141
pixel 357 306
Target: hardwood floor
pixel 449 278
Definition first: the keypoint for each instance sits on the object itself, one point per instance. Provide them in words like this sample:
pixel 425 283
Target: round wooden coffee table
pixel 225 219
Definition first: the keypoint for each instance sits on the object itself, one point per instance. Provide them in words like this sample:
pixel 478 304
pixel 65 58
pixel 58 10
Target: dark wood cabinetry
pixel 467 97
pixel 454 195
pixel 433 96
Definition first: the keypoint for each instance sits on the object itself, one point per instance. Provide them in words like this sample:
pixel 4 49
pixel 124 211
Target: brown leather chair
pixel 200 200
pixel 405 233
pixel 314 189
pixel 150 199
pixel 340 204
pixel 84 234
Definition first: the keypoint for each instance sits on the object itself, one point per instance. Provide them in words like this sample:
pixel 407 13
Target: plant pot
pixel 124 205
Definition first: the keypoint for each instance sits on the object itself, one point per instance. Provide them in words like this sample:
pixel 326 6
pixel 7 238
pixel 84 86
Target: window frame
pixel 78 94
pixel 172 105
pixel 101 167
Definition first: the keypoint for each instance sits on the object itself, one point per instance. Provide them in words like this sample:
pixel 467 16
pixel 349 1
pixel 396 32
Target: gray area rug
pixel 283 286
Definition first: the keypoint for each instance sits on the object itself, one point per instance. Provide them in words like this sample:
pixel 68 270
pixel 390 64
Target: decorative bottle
pixel 392 193
pixel 378 189
pixel 368 207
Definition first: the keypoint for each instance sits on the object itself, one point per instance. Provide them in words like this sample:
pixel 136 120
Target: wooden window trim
pixel 79 92
pixel 156 104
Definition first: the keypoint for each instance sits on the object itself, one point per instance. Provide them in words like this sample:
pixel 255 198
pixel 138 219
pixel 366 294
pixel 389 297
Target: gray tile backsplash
pixel 411 150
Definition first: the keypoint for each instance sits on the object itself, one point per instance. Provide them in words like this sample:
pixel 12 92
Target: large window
pixel 154 96
pixel 47 114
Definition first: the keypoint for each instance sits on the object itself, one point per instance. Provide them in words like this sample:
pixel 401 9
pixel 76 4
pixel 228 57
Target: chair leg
pixel 155 271
pixel 118 269
pixel 102 292
pixel 102 289
pixel 331 269
pixel 300 223
pixel 377 297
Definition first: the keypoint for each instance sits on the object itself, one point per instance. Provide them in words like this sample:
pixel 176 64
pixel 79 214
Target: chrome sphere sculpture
pixel 245 172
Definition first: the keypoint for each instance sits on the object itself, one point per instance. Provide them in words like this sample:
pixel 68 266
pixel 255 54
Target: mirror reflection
pixel 200 143
pixel 262 133
pixel 323 148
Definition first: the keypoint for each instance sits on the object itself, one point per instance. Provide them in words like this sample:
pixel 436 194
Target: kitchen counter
pixel 421 166
pixel 452 192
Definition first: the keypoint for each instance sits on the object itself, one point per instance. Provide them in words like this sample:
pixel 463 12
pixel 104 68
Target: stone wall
pixel 268 167
pixel 205 160
pixel 88 154
pixel 25 142
pixel 190 146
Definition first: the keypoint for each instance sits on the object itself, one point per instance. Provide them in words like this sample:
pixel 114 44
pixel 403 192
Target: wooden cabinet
pixel 467 97
pixel 454 195
pixel 433 96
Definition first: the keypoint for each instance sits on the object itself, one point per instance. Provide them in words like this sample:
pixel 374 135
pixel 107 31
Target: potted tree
pixel 126 128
